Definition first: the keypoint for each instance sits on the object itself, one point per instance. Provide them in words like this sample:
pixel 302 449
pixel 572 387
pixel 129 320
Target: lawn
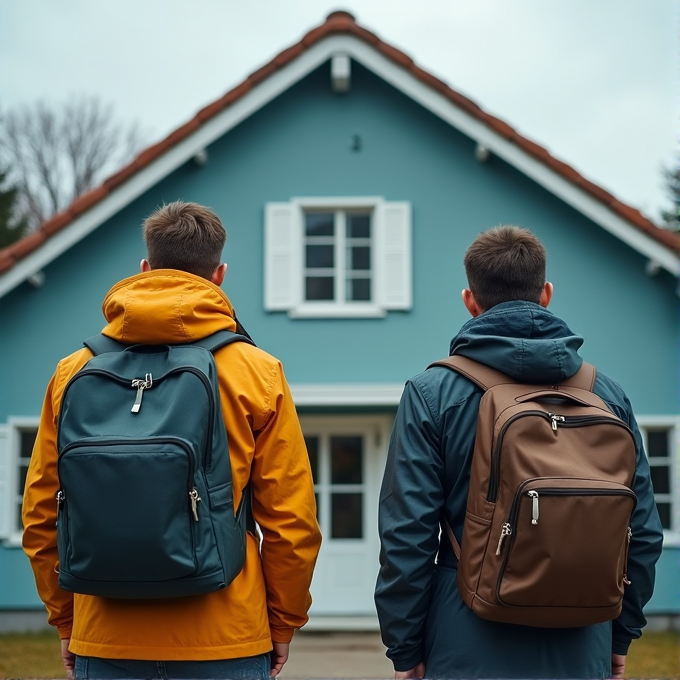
pixel 36 655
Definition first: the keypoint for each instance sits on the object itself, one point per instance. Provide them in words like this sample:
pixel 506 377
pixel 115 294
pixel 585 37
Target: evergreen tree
pixel 671 218
pixel 10 229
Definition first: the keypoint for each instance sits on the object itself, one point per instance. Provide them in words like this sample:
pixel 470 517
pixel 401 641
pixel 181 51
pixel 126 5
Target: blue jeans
pixel 246 668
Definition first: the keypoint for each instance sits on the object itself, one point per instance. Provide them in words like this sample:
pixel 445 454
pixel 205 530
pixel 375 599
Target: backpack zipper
pixel 194 498
pixel 185 369
pixel 555 421
pixel 510 525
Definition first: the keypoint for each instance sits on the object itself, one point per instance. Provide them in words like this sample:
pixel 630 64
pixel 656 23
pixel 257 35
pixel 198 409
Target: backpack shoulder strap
pixel 100 344
pixel 221 338
pixel 584 378
pixel 483 376
pixel 486 377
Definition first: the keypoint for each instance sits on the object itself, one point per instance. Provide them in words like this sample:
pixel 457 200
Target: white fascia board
pixel 279 82
pixel 510 152
pixel 382 394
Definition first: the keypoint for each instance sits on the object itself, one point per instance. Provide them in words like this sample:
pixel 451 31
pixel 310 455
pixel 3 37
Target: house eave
pixel 283 78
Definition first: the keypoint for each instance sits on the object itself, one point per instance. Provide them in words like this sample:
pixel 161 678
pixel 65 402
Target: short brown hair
pixel 503 264
pixel 184 236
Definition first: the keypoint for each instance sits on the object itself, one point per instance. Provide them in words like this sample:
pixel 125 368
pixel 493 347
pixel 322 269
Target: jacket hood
pixel 166 306
pixel 522 340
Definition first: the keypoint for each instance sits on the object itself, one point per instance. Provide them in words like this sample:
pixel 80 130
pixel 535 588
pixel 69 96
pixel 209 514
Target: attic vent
pixel 341 71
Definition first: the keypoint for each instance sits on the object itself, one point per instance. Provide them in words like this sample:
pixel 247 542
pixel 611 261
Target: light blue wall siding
pixel 17 588
pixel 666 597
pixel 299 145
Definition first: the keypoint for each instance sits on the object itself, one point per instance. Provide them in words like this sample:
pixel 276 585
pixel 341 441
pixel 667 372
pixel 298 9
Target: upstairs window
pixel 342 257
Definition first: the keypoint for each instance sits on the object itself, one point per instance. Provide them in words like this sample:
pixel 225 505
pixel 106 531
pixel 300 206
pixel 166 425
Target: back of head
pixel 184 236
pixel 503 264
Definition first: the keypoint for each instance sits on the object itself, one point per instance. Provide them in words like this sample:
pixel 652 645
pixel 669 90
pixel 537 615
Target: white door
pixel 347 455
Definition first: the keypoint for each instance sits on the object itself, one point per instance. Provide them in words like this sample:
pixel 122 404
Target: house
pixel 350 182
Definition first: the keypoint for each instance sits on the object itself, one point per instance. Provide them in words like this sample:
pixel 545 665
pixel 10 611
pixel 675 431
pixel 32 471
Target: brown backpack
pixel 547 525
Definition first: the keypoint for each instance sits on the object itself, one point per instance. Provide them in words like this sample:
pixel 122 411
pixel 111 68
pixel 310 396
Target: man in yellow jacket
pixel 242 631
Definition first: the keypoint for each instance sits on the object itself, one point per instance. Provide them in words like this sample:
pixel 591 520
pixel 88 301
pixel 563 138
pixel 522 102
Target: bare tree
pixel 55 153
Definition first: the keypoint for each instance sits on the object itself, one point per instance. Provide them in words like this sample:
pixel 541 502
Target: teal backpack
pixel 145 505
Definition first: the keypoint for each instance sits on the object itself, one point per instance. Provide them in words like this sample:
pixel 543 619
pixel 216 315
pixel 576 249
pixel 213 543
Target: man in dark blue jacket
pixel 428 630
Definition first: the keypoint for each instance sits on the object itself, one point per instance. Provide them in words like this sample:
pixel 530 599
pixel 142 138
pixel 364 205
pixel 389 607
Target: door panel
pixel 347 456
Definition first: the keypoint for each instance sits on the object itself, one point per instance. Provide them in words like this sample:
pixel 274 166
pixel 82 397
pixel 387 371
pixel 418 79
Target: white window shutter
pixel 281 245
pixel 394 255
pixel 6 478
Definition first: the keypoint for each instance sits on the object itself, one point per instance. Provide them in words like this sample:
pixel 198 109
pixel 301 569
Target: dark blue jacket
pixel 422 616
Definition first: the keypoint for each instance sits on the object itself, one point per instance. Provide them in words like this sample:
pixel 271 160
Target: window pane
pixel 359 257
pixel 319 257
pixel 347 515
pixel 358 226
pixel 313 451
pixel 346 460
pixel 27 442
pixel 319 224
pixel 359 290
pixel 23 472
pixel 319 288
pixel 657 443
pixel 665 514
pixel 661 475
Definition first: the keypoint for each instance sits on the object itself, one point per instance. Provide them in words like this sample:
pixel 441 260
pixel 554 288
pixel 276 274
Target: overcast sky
pixel 595 81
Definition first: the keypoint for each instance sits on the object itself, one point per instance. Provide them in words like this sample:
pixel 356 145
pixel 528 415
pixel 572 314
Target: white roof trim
pixel 382 394
pixel 284 78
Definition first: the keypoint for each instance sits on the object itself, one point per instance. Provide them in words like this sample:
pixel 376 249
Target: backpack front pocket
pixel 139 523
pixel 566 544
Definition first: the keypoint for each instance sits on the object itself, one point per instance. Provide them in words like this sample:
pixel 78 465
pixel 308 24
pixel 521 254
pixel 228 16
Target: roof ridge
pixel 338 21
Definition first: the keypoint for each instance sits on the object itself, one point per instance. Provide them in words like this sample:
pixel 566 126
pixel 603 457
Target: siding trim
pixel 329 394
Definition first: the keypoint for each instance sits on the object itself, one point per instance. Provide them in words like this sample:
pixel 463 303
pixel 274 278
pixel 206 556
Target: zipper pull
pixel 141 385
pixel 195 498
pixel 60 499
pixel 505 531
pixel 625 576
pixel 554 418
pixel 534 506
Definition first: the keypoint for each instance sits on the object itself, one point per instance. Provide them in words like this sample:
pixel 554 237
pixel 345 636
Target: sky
pixel 594 81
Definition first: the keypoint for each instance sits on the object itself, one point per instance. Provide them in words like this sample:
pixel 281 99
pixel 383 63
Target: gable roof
pixel 339 34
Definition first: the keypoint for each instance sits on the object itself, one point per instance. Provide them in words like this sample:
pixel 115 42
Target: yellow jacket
pixel 269 599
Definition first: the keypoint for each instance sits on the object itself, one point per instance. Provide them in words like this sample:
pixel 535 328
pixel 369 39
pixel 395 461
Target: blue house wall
pixel 299 145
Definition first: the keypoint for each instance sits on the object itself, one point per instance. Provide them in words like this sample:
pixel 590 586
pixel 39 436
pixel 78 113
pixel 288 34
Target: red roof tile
pixel 26 245
pixel 337 22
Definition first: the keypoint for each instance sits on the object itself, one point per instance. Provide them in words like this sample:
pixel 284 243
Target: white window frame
pixel 645 423
pixel 296 305
pixel 10 498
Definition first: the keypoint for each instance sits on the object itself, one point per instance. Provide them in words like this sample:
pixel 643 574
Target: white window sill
pixel 326 310
pixel 13 541
pixel 671 539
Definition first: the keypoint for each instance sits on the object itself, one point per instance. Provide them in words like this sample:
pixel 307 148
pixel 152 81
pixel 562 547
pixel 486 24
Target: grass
pixel 31 655
pixel 654 655
pixel 36 655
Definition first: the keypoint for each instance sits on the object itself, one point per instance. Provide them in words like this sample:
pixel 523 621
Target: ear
pixel 546 294
pixel 219 273
pixel 471 303
pixel 144 266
